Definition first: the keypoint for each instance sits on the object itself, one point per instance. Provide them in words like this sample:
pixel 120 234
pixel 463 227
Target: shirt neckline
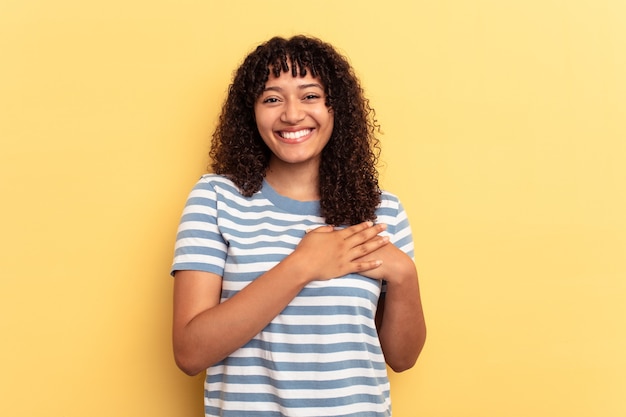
pixel 288 204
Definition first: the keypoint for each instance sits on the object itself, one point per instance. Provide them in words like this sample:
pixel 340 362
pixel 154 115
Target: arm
pixel 399 318
pixel 205 331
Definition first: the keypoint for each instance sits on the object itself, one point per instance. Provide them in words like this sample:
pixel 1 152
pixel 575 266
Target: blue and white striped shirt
pixel 321 355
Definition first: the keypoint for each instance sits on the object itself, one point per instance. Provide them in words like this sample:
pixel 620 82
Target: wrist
pixel 297 269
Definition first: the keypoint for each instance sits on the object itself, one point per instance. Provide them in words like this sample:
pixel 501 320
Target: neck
pixel 298 182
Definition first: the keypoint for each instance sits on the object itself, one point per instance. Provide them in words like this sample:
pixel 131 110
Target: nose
pixel 292 112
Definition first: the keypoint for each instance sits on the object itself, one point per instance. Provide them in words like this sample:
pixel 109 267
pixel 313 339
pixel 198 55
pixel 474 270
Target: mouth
pixel 294 137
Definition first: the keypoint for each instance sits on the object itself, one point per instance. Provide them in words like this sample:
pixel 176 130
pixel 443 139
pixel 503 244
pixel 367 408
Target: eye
pixel 270 100
pixel 311 96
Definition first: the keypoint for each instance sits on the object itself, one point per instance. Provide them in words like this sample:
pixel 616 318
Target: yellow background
pixel 504 135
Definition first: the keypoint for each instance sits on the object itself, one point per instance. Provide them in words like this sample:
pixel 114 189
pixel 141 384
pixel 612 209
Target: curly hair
pixel 348 179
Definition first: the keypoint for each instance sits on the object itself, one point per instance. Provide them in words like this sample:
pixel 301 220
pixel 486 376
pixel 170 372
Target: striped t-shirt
pixel 321 355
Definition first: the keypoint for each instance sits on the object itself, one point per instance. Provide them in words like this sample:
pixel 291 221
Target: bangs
pixel 299 56
pixel 295 63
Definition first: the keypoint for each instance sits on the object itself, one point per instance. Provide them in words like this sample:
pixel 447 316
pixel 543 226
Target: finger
pixel 354 229
pixel 325 228
pixel 367 265
pixel 366 234
pixel 369 246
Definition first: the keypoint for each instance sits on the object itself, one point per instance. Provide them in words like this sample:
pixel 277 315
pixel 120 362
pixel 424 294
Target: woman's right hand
pixel 329 253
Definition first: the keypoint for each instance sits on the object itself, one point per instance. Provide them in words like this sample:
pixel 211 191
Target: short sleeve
pixel 392 213
pixel 199 243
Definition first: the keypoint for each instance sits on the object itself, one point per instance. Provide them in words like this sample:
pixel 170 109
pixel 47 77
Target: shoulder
pixel 213 185
pixel 208 190
pixel 389 204
pixel 215 182
pixel 220 193
pixel 391 211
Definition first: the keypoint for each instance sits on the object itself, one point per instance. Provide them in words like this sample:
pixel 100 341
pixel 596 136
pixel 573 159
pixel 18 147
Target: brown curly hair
pixel 348 179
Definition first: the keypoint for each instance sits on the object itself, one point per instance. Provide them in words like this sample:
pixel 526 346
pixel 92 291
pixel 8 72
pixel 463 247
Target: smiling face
pixel 293 119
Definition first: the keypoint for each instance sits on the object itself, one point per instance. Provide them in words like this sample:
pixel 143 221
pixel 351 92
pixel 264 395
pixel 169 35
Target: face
pixel 293 119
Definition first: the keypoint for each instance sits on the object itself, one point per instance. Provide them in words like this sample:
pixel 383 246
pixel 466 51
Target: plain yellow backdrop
pixel 504 135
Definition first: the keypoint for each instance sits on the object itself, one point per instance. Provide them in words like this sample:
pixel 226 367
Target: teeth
pixel 295 135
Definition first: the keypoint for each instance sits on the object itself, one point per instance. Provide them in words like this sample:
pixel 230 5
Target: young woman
pixel 294 280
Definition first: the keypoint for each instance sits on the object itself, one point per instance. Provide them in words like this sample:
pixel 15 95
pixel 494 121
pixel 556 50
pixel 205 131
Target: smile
pixel 295 135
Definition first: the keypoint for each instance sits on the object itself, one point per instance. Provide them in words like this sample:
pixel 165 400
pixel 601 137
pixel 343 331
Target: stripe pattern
pixel 321 356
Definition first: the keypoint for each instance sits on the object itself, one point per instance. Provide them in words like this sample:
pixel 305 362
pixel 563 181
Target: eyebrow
pixel 300 87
